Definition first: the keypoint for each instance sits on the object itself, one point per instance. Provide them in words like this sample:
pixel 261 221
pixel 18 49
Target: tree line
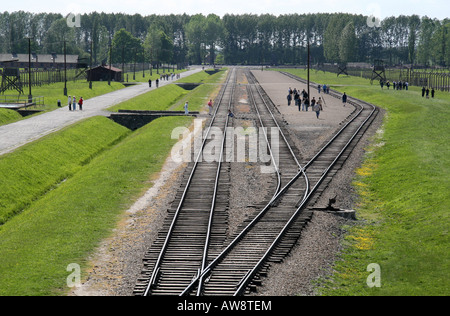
pixel 231 39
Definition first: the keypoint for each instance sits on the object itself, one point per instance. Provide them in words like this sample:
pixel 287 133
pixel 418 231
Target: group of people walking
pixel 396 85
pixel 72 101
pixel 426 92
pixel 324 88
pixel 301 100
pixel 404 85
pixel 166 77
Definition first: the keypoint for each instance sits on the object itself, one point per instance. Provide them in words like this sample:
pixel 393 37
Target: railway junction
pixel 249 227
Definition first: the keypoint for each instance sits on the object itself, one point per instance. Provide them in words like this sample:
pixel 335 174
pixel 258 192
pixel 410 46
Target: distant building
pixel 101 73
pixel 41 61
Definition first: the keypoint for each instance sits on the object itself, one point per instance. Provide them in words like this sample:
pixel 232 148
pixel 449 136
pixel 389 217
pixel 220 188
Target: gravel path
pixel 118 262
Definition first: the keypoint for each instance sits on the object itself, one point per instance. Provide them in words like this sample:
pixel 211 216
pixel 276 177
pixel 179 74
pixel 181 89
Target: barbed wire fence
pixel 438 79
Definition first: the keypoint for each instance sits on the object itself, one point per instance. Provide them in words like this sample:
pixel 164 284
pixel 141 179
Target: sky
pixel 378 8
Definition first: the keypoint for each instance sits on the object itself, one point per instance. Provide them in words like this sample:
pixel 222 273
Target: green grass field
pixel 36 168
pixel 64 193
pixel 202 76
pixel 199 97
pixel 9 116
pixel 139 78
pixel 156 100
pixel 172 97
pixel 67 223
pixel 404 199
pixel 54 92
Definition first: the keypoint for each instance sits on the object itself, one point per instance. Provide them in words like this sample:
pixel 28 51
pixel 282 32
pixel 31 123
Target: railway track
pixel 275 229
pixel 247 247
pixel 341 144
pixel 188 235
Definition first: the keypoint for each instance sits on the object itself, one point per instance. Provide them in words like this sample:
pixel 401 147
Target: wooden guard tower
pixel 11 80
pixel 379 71
pixel 342 69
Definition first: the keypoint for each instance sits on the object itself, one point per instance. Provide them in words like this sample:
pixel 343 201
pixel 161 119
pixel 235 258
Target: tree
pixel 263 50
pixel 230 43
pixel 125 47
pixel 332 37
pixel 427 28
pixel 158 45
pixel 180 47
pixel 195 32
pixel 242 39
pixel 347 43
pixel 213 30
pixel 389 36
pixel 441 44
pixel 414 23
pixel 166 48
pixel 56 35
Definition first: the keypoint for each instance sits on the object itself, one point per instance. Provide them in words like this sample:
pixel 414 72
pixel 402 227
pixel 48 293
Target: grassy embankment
pixel 156 100
pixel 404 199
pixel 175 96
pixel 33 170
pixel 62 217
pixel 200 96
pixel 9 116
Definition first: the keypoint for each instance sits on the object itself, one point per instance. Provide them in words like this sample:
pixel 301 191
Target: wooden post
pixel 30 96
pixel 309 57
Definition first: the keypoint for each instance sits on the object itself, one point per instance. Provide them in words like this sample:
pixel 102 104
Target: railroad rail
pixel 181 251
pixel 224 281
pixel 190 254
pixel 273 232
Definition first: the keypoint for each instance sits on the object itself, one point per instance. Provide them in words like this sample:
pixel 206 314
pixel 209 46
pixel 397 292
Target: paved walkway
pixel 17 134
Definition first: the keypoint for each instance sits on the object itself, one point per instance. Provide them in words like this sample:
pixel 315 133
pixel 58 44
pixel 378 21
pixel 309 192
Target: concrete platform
pixel 13 106
pixel 276 86
pixel 304 125
pixel 15 102
pixel 134 120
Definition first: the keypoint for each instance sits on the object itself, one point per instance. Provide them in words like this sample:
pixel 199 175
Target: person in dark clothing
pixel 313 102
pixel 432 92
pixel 296 98
pixel 289 99
pixel 306 103
pixel 304 94
pixel 423 92
pixel 344 99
